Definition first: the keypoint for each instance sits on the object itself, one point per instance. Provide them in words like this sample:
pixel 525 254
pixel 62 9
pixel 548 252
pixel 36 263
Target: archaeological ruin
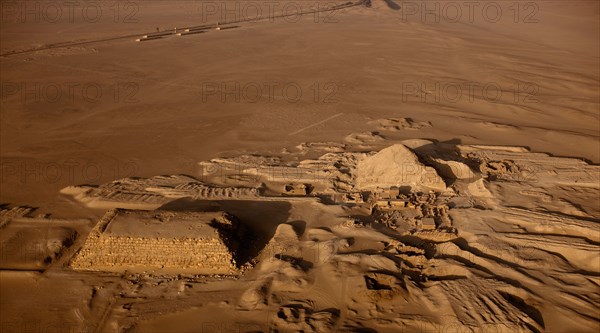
pixel 162 242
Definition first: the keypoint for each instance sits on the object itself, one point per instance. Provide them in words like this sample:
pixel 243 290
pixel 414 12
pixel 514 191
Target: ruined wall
pixel 105 252
pixel 201 191
pixel 187 253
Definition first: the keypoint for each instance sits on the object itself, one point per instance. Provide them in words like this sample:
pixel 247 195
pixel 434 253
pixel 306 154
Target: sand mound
pixel 335 147
pixel 398 124
pixel 396 166
pixel 363 138
pixel 454 169
pixel 302 318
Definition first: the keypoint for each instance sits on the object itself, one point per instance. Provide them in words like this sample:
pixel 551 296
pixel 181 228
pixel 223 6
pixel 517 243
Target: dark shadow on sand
pixel 393 5
pixel 261 219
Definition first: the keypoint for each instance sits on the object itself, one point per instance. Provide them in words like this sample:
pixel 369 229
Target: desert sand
pixel 234 166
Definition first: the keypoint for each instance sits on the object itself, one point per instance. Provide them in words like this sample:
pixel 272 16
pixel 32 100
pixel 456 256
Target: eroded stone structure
pixel 164 241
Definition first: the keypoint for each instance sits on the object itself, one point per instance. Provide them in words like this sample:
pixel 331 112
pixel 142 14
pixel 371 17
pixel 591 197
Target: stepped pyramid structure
pixel 162 241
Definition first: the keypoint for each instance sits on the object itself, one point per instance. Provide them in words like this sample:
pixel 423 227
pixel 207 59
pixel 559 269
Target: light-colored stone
pixel 396 166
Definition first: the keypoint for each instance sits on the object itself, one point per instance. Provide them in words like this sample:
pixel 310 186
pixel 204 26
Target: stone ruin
pixel 162 242
pixel 412 211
